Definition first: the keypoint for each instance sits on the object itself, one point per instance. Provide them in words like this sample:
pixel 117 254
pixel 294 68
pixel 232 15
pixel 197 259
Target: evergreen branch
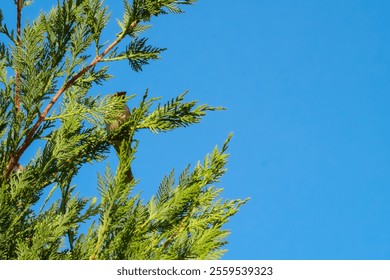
pixel 14 158
pixel 141 11
pixel 137 54
pixel 115 205
pixel 186 220
pixel 183 220
pixel 174 114
pixel 5 57
pixel 18 38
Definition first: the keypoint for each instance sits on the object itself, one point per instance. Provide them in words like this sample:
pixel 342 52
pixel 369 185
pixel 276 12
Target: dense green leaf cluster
pixel 47 71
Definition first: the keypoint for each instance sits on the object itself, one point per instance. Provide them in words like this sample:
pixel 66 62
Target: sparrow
pixel 116 124
pixel 18 168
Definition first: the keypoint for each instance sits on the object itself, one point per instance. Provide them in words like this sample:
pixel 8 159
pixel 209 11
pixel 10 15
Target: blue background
pixel 306 84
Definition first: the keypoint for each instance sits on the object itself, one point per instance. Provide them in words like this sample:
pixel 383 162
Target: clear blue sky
pixel 306 84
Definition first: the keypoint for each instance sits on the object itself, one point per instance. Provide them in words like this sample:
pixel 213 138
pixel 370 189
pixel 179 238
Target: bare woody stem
pixel 14 158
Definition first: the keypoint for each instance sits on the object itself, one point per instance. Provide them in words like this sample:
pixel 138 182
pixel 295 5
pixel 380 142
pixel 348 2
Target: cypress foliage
pixel 47 68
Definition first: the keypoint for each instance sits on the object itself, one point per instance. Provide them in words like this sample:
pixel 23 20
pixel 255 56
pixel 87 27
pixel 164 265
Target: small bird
pixel 114 125
pixel 18 168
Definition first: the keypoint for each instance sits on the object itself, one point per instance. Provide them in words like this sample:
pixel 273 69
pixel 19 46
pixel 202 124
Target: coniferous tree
pixel 47 69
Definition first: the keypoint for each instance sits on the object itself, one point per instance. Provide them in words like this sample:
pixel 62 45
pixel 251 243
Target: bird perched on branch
pixel 116 124
pixel 18 168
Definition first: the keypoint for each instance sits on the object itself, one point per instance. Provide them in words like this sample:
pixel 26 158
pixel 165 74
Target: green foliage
pixel 47 72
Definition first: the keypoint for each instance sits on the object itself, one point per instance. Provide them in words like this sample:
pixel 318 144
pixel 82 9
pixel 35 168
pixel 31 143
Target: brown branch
pixel 14 158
